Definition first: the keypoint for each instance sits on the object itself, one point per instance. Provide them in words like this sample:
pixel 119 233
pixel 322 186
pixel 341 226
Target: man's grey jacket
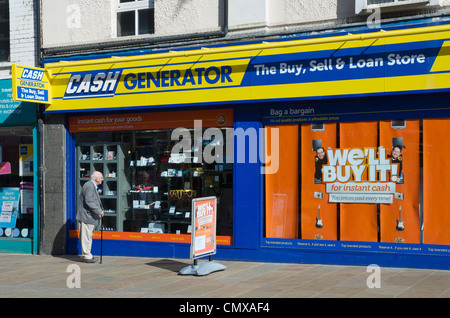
pixel 89 204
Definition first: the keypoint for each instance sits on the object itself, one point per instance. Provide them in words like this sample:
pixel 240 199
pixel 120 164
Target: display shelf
pixel 163 176
pixel 109 159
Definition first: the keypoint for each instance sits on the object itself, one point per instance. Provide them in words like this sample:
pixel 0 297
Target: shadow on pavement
pixel 169 264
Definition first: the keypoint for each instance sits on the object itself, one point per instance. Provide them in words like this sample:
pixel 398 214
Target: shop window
pixel 371 181
pixel 16 182
pixel 149 183
pixel 4 31
pixel 135 17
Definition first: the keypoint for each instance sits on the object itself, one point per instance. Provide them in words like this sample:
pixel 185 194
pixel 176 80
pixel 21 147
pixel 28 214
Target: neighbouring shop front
pixel 326 150
pixel 19 215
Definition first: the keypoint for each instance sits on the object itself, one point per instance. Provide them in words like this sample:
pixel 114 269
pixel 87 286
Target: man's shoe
pixel 90 260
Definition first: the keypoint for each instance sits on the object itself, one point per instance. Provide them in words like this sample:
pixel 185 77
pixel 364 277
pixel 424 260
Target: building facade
pixel 19 143
pixel 316 126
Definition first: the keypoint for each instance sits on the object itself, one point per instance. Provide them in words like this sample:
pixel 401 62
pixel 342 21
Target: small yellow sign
pixel 30 84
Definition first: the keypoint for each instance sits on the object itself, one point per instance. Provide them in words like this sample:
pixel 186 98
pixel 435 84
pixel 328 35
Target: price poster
pixel 9 205
pixel 203 239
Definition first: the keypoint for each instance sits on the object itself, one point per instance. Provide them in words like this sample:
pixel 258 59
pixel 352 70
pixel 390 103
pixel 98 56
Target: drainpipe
pixel 41 186
pixel 40 134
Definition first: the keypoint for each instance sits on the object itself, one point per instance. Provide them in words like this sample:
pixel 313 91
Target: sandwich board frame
pixel 203 237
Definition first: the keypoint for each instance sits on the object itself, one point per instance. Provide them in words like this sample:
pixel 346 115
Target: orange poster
pixel 358 220
pixel 436 188
pixel 204 227
pixel 318 216
pixel 400 221
pixel 282 186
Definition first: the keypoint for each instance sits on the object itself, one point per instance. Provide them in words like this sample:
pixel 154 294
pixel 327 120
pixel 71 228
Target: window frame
pixel 7 61
pixel 363 5
pixel 134 6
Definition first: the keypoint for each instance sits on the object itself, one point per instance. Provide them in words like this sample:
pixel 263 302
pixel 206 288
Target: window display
pixel 368 181
pixel 148 187
pixel 16 182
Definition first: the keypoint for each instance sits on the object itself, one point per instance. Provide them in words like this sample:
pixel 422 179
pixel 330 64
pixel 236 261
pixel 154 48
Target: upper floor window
pixel 369 5
pixel 135 17
pixel 4 31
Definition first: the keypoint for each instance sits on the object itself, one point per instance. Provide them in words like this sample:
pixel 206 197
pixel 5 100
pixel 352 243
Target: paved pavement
pixel 45 276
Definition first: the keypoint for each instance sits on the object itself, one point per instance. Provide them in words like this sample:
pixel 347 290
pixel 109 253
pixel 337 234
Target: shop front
pixel 327 150
pixel 18 174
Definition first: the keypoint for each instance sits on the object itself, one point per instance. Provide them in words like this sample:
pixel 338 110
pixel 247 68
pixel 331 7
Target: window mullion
pixel 136 22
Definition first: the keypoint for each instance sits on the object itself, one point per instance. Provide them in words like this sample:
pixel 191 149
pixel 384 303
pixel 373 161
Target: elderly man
pixel 89 213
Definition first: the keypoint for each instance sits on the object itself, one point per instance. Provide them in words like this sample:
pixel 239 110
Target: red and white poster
pixel 204 211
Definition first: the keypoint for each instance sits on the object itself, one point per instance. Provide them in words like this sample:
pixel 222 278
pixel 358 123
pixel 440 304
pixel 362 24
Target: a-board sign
pixel 204 212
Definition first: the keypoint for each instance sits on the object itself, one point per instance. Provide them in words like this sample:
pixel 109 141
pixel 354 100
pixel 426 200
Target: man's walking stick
pixel 101 240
